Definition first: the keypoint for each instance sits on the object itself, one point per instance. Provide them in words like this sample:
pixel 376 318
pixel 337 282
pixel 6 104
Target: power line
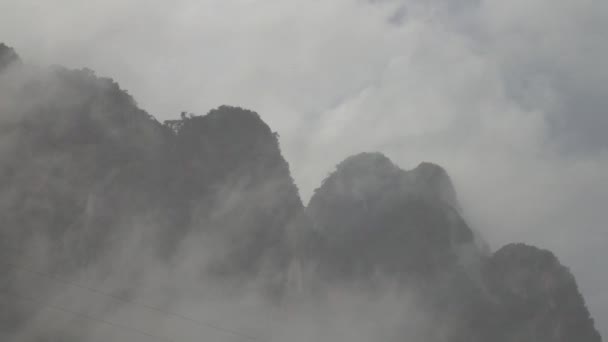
pixel 131 302
pixel 85 316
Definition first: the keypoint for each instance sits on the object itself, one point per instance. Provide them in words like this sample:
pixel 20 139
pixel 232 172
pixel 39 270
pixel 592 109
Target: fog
pixel 509 97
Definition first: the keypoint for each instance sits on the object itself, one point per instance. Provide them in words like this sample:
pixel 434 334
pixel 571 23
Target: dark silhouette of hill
pixel 374 216
pixel 7 56
pixel 371 218
pixel 230 178
pixel 83 170
pixel 536 297
pixel 85 174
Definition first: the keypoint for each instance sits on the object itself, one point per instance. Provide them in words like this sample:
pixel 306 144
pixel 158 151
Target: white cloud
pixel 510 97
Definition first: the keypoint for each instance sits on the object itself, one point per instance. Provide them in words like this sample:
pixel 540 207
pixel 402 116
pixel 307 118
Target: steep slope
pixel 81 162
pixel 374 217
pixel 7 56
pixel 235 185
pixel 537 298
pixel 434 183
pixel 91 181
pixel 66 135
pixel 377 226
pixel 373 222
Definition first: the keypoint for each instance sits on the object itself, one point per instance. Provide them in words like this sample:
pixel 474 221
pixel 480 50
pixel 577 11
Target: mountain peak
pixel 373 176
pixel 530 263
pixel 430 169
pixel 539 295
pixel 371 208
pixel 240 139
pixel 96 177
pixel 436 183
pixel 7 56
pixel 226 120
pixel 363 176
pixel 366 161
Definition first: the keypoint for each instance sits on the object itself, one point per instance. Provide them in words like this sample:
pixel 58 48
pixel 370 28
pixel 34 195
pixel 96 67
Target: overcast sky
pixel 511 97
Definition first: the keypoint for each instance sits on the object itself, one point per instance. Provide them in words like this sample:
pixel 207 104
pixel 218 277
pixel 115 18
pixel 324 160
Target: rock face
pixel 374 223
pixel 371 216
pixel 232 181
pixel 537 297
pixel 71 145
pixel 7 56
pixel 85 174
pixel 68 139
pixel 80 162
pixel 435 184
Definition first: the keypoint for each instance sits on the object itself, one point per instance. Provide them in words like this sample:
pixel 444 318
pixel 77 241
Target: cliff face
pixel 537 298
pixel 68 136
pixel 375 225
pixel 85 174
pixel 72 144
pixel 373 217
pixel 232 183
pixel 7 56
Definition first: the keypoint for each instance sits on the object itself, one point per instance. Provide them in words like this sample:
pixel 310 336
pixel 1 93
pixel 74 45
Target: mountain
pixel 230 177
pixel 374 217
pixel 7 56
pixel 93 187
pixel 91 182
pixel 372 221
pixel 377 224
pixel 68 139
pixel 80 158
pixel 371 218
pixel 537 297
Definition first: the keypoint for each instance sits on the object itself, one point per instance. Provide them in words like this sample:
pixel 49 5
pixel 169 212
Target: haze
pixel 510 97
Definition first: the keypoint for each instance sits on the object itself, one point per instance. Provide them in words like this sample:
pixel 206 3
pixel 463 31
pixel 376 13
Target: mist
pixel 509 98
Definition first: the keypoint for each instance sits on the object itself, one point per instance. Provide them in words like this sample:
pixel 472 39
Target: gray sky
pixel 511 97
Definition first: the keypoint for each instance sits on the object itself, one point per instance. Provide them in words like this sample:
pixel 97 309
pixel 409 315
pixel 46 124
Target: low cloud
pixel 510 97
